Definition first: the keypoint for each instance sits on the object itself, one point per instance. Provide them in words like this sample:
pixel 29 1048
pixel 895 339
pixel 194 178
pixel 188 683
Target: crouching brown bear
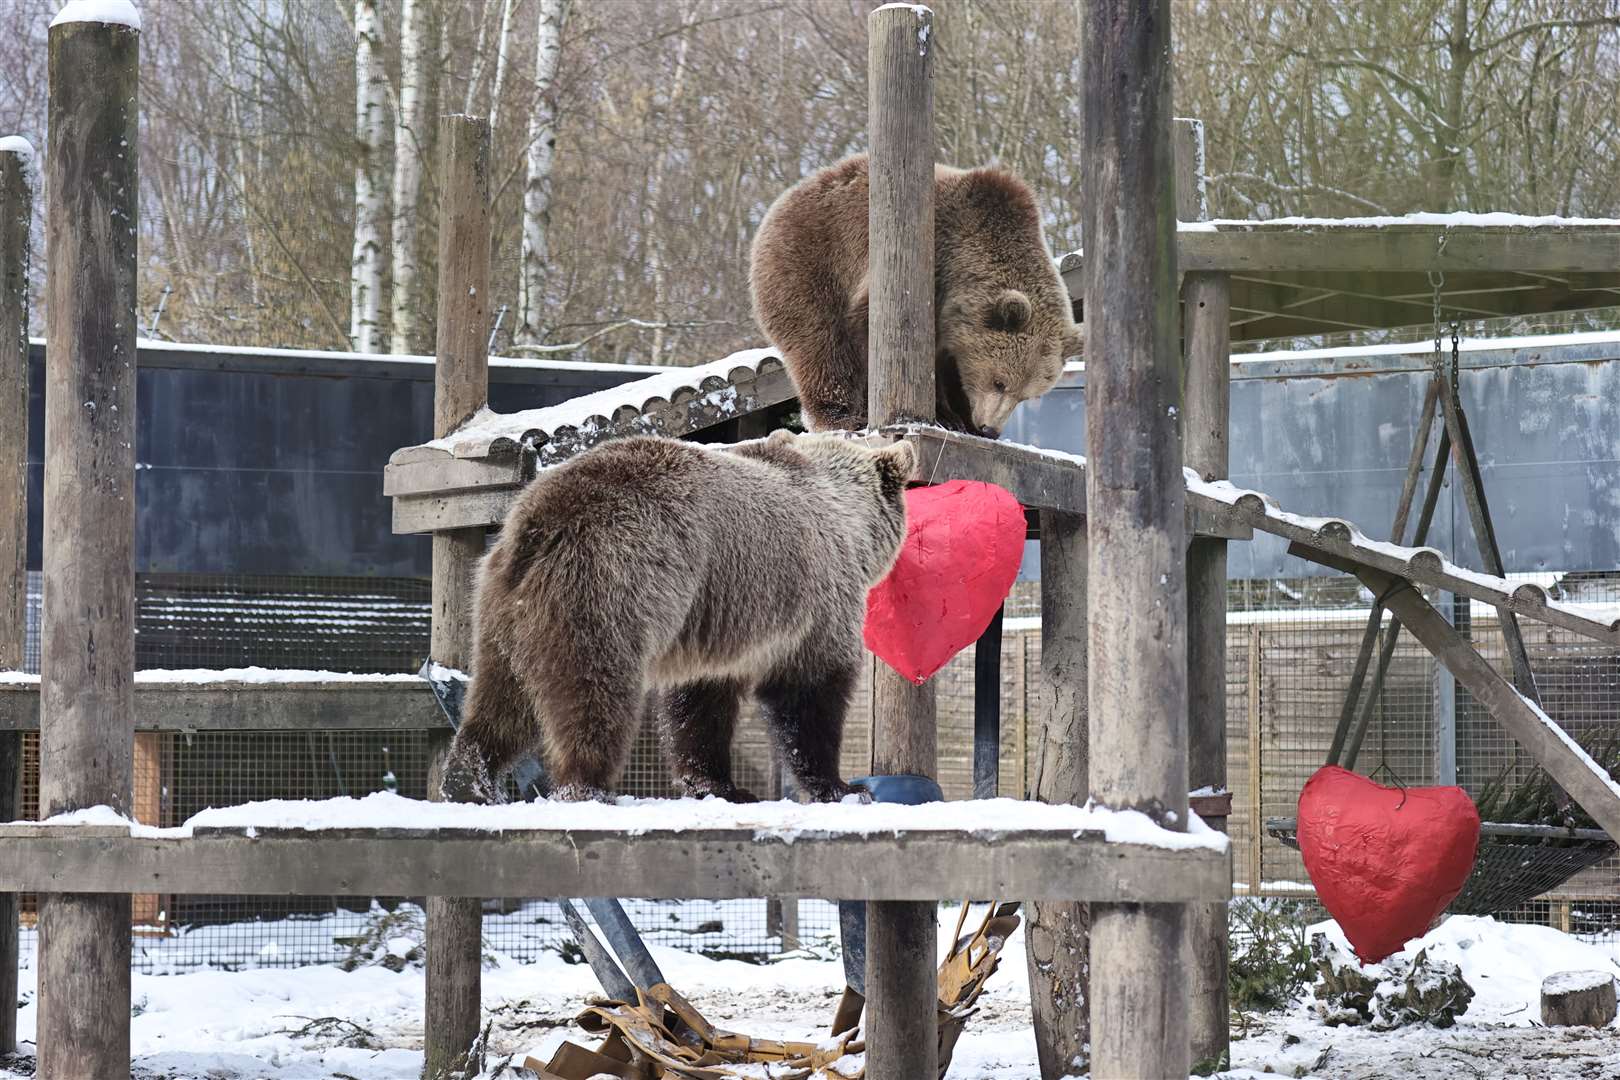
pixel 706 574
pixel 1004 322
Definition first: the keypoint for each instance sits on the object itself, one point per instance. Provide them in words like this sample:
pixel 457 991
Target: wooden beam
pixel 1570 767
pixel 428 471
pixel 1206 313
pixel 87 656
pixel 903 1035
pixel 454 932
pixel 1424 565
pixel 700 864
pixel 1136 509
pixel 16 216
pixel 237 706
pixel 1057 940
pixel 1261 247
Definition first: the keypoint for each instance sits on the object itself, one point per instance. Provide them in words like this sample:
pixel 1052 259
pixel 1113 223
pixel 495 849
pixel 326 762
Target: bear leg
pixel 697 720
pixel 590 718
pixel 804 708
pixel 498 726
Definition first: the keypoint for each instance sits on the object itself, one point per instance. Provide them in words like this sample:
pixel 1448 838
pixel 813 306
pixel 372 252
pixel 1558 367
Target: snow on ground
pixel 319 1022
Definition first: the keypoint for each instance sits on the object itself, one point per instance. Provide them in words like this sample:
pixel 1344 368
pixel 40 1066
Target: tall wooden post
pixel 1057 940
pixel 1136 505
pixel 901 985
pixel 87 657
pixel 16 213
pixel 460 387
pixel 1206 310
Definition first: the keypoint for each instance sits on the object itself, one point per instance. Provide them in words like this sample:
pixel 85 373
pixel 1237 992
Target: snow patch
pixel 117 12
pixel 1459 219
pixel 1571 982
pixel 781 821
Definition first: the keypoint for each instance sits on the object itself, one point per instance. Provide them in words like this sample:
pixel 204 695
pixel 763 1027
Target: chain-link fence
pixel 1291 644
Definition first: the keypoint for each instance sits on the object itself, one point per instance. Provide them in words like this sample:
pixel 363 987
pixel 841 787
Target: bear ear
pixel 896 463
pixel 1009 312
pixel 1074 340
pixel 780 437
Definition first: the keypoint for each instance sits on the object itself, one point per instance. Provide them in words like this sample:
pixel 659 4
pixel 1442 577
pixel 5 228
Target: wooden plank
pixel 88 636
pixel 1423 565
pixel 1569 766
pixel 444 474
pixel 1261 247
pixel 1057 939
pixel 339 706
pixel 697 864
pixel 902 1039
pixel 1205 417
pixel 16 216
pixel 454 931
pixel 447 513
pixel 1136 509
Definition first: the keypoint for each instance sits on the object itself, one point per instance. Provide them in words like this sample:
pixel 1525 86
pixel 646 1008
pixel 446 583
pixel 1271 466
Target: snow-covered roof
pixel 722 388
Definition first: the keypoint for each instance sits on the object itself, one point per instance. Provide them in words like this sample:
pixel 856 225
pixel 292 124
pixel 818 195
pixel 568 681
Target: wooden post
pixel 1136 509
pixel 16 213
pixel 901 984
pixel 987 709
pixel 460 388
pixel 87 654
pixel 1057 939
pixel 1206 312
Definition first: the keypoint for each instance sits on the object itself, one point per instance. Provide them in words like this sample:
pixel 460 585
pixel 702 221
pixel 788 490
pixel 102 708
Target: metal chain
pixel 1437 281
pixel 1456 363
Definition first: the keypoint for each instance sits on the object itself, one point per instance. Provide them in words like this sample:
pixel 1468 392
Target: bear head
pixel 1005 323
pixel 871 483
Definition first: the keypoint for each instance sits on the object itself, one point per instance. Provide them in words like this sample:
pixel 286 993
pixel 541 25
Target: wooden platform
pixel 1300 277
pixel 709 864
pixel 256 706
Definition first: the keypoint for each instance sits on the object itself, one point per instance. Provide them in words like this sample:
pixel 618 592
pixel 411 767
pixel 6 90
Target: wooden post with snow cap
pixel 901 982
pixel 451 1007
pixel 87 654
pixel 1206 336
pixel 16 214
pixel 1136 511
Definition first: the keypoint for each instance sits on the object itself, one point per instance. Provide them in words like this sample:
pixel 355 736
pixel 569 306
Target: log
pixel 1578 999
pixel 16 213
pixel 1206 310
pixel 1136 506
pixel 901 987
pixel 1057 940
pixel 454 929
pixel 87 651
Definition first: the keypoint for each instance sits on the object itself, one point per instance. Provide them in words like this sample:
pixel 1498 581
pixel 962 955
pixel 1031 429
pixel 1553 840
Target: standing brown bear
pixel 708 574
pixel 1004 321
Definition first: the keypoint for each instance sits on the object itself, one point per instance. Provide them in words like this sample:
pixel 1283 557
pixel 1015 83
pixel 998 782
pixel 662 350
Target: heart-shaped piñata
pixel 1385 861
pixel 964 541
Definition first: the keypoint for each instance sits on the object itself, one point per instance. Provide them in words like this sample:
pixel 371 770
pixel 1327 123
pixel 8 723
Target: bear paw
pixel 696 788
pixel 467 779
pixel 832 790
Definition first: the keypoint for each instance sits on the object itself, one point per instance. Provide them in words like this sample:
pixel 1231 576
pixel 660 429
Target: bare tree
pixel 541 154
pixel 415 49
pixel 365 285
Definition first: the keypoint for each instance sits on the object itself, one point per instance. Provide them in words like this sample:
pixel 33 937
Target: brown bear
pixel 1004 320
pixel 704 573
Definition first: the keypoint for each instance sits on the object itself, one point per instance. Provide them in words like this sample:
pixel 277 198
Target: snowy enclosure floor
pixel 366 1024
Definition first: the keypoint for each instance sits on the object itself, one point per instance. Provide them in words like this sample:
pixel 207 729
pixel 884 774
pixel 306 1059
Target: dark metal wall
pixel 1330 435
pixel 261 463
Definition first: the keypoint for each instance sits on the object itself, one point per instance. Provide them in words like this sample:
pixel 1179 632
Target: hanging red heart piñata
pixel 1385 861
pixel 964 541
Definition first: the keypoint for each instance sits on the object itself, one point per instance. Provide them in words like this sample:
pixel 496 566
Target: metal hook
pixel 1383 766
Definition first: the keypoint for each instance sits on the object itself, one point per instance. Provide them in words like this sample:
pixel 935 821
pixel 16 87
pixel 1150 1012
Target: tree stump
pixel 1578 999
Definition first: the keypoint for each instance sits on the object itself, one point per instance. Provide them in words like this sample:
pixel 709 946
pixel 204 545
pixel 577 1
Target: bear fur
pixel 650 564
pixel 1004 322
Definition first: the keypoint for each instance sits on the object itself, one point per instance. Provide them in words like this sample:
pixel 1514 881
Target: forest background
pixel 288 194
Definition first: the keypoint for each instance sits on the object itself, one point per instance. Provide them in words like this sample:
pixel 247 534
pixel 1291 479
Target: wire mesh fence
pixel 1291 644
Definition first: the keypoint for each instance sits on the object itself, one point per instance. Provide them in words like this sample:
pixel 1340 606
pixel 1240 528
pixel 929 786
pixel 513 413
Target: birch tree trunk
pixel 414 48
pixel 503 46
pixel 365 276
pixel 542 153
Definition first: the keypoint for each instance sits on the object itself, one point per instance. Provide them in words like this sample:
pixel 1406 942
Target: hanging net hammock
pixel 1514 864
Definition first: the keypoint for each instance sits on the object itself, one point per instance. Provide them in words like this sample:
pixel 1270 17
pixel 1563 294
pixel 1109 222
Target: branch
pixel 1548 24
pixel 1295 189
pixel 621 324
